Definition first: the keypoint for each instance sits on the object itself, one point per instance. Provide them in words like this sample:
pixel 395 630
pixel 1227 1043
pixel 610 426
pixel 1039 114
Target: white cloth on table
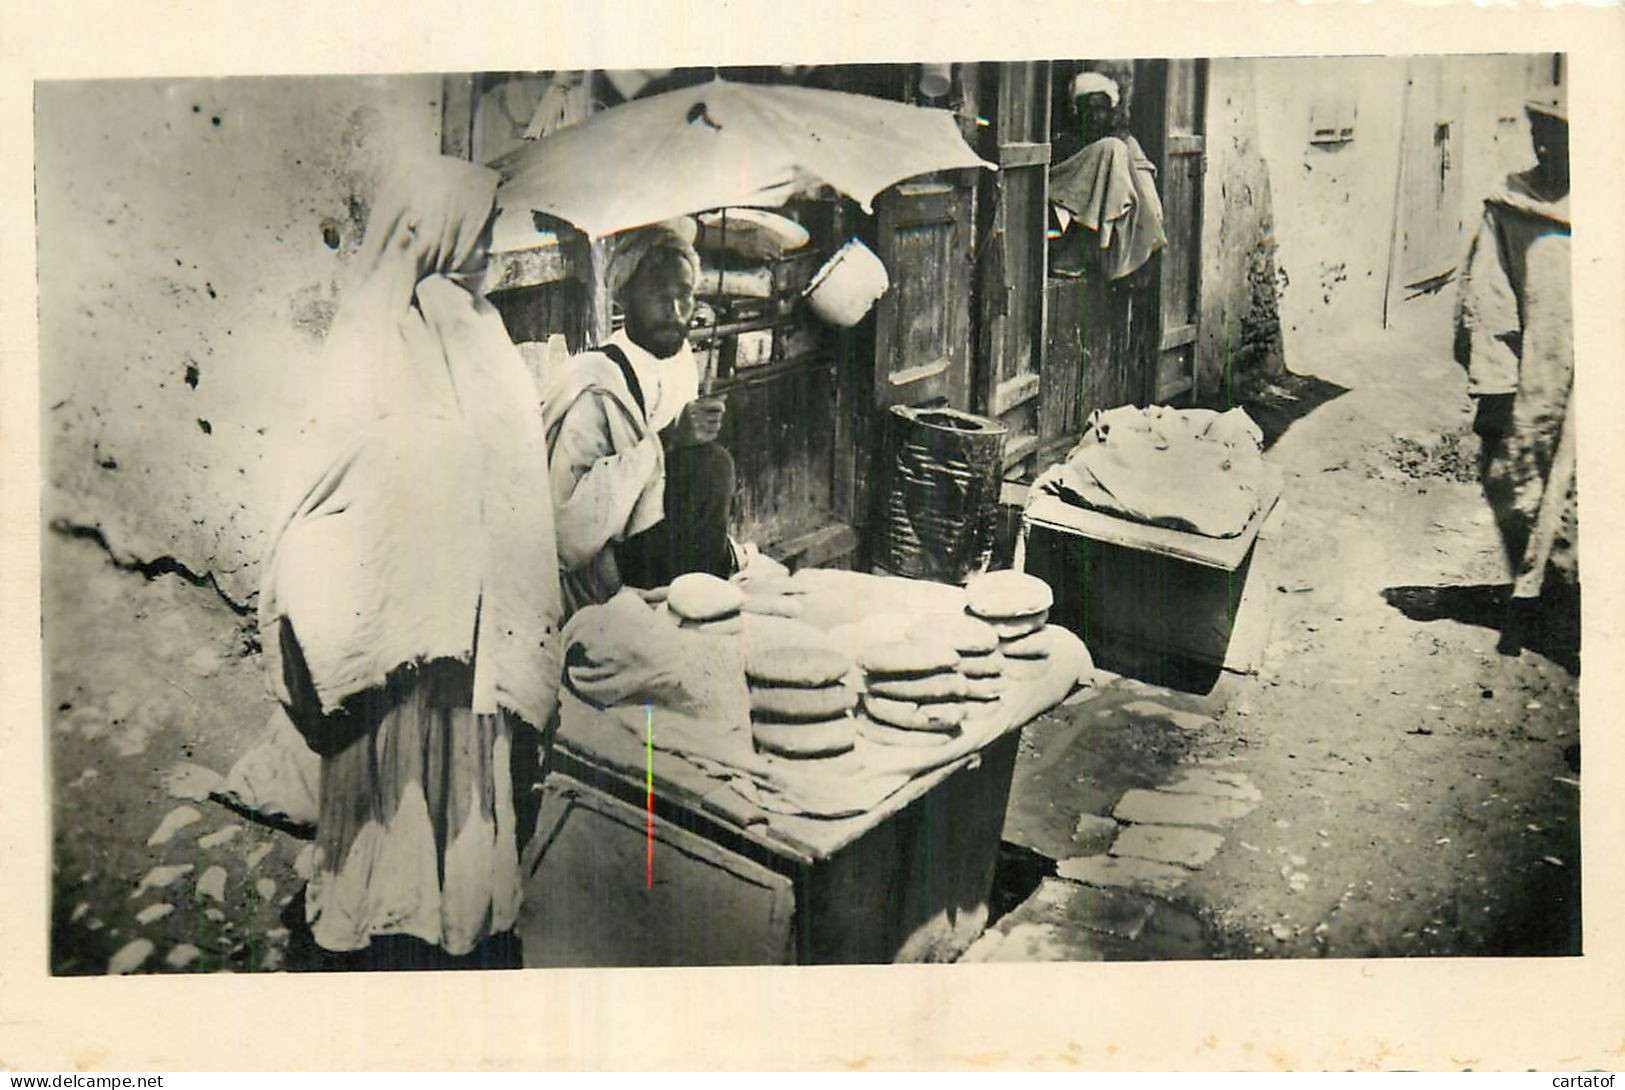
pixel 684 694
pixel 1195 470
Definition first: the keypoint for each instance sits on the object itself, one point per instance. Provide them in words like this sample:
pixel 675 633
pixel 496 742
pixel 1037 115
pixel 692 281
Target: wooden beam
pixel 818 548
pixel 920 373
pixel 1399 188
pixel 1023 155
pixel 546 264
pixel 1178 337
pixel 1018 449
pixel 1016 391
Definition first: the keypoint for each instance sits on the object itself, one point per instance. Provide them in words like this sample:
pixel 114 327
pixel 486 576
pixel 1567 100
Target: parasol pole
pixel 709 378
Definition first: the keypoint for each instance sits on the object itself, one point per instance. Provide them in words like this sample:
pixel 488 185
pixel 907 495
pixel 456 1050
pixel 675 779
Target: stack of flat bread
pixel 977 643
pixel 707 604
pixel 800 705
pixel 1017 606
pixel 913 692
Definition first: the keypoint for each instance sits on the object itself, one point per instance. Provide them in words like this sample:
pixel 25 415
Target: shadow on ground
pixel 1156 667
pixel 1545 920
pixel 1018 872
pixel 1550 627
pixel 1276 402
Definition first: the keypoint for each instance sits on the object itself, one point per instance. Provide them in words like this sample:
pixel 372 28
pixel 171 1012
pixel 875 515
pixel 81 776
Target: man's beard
pixel 667 344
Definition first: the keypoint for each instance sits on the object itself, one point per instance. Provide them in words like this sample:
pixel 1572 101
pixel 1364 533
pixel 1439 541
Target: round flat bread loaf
pixel 772 605
pixel 980 712
pixel 1025 669
pixel 911 658
pixel 907 715
pixel 722 626
pixel 982 666
pixel 796 667
pixel 763 632
pixel 1011 628
pixel 882 735
pixel 961 631
pixel 784 705
pixel 801 740
pixel 856 637
pixel 701 597
pixel 985 688
pixel 1004 594
pixel 933 689
pixel 1034 645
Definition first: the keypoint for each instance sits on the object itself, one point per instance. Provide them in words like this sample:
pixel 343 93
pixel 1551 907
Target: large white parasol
pixel 720 144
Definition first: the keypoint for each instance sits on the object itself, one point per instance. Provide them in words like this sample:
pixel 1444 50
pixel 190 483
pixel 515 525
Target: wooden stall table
pixel 629 867
pixel 908 881
pixel 1122 582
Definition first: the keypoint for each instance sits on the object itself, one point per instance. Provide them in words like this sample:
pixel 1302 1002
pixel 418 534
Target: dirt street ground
pixel 1387 784
pixel 1418 792
pixel 152 692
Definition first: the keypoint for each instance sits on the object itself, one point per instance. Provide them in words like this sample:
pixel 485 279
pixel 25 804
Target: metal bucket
pixel 940 498
pixel 848 285
pixel 936 80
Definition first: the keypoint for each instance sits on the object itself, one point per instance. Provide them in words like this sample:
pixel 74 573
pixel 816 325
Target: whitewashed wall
pixel 192 243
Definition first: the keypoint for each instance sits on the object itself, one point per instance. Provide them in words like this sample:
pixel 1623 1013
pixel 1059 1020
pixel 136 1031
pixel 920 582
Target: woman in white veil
pixel 410 603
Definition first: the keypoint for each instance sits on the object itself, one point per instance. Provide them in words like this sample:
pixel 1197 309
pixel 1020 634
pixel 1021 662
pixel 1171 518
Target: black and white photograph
pixel 1070 510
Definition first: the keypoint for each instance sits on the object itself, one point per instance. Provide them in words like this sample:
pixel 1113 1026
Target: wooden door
pixel 1014 263
pixel 1430 229
pixel 922 323
pixel 1174 107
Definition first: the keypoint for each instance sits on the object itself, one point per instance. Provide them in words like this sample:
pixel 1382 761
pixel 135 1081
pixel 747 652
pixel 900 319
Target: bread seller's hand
pixel 699 422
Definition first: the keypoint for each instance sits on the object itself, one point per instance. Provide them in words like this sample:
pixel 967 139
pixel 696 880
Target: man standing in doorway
pixel 1108 189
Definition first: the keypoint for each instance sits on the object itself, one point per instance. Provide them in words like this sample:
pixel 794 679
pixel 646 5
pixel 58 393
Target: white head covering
pixel 426 219
pixel 629 248
pixel 1093 83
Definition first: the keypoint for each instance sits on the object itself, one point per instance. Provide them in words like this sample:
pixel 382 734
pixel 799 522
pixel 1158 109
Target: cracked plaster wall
pixel 192 243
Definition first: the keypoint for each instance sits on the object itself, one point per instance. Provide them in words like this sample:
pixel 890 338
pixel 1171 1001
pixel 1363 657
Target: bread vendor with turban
pixel 642 489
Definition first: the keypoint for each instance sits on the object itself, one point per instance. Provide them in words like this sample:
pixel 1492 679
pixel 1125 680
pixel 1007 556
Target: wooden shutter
pixel 1014 266
pixel 922 323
